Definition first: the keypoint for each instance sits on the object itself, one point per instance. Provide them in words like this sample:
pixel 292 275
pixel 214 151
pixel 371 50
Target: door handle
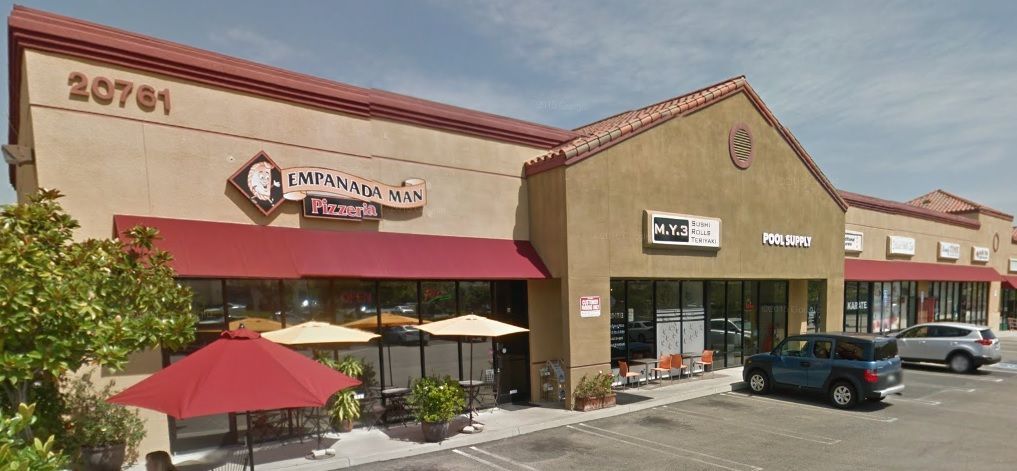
pixel 806 364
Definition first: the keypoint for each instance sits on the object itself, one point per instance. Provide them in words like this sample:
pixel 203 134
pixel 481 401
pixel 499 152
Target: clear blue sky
pixel 892 99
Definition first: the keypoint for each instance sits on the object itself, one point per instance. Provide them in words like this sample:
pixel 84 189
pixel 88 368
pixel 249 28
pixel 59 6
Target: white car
pixel 962 347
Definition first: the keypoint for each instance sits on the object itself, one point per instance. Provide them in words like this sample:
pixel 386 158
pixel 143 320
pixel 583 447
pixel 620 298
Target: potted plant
pixel 594 393
pixel 344 407
pixel 104 436
pixel 435 402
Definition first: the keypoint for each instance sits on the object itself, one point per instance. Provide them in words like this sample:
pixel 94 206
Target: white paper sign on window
pixel 897 245
pixel 980 254
pixel 949 250
pixel 853 241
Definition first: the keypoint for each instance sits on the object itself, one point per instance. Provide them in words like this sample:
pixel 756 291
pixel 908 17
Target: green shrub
pixel 93 422
pixel 17 454
pixel 436 400
pixel 598 386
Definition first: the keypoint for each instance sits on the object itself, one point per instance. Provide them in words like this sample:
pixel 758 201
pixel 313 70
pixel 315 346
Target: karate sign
pixel 267 185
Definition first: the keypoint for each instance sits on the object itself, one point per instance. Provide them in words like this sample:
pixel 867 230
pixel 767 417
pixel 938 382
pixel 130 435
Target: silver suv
pixel 962 347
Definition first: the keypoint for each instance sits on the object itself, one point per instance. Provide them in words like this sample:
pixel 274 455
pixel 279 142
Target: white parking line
pixel 507 460
pixel 768 430
pixel 919 401
pixel 971 390
pixel 798 405
pixel 479 460
pixel 708 460
pixel 947 374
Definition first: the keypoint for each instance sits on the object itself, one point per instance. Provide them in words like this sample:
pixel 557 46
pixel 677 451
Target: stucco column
pixel 994 301
pixel 833 315
pixel 588 339
pixel 797 307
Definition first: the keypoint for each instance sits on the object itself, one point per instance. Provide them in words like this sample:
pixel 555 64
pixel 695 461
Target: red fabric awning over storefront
pixel 203 249
pixel 1010 280
pixel 881 270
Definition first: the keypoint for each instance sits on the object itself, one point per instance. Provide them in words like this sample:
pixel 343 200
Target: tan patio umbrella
pixel 318 333
pixel 388 319
pixel 471 325
pixel 257 324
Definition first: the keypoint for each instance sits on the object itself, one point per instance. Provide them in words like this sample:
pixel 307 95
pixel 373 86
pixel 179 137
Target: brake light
pixel 985 342
pixel 870 376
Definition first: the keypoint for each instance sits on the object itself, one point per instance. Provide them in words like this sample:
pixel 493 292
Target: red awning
pixel 881 270
pixel 203 249
pixel 1010 280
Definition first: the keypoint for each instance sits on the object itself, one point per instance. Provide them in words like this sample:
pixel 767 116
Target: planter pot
pixel 434 432
pixel 594 403
pixel 103 458
pixel 345 426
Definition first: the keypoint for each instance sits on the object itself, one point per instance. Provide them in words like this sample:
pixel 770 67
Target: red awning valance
pixel 203 249
pixel 1010 280
pixel 881 270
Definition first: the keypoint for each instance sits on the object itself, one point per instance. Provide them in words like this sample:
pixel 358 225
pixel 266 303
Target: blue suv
pixel 847 367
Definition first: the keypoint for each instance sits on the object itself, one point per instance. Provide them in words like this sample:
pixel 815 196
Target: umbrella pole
pixel 471 381
pixel 250 444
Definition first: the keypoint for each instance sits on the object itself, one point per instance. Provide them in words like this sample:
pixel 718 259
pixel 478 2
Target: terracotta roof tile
pixel 872 203
pixel 944 202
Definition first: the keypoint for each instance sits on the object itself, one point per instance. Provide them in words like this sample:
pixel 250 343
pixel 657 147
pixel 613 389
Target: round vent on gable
pixel 740 146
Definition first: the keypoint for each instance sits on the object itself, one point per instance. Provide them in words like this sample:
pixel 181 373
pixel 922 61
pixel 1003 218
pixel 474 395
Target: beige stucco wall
pixel 110 159
pixel 682 166
pixel 877 226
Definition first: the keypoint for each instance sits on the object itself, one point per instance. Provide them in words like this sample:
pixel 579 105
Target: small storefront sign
pixel 897 245
pixel 1013 265
pixel 853 241
pixel 980 254
pixel 949 250
pixel 681 230
pixel 589 306
pixel 267 185
pixel 327 207
pixel 787 240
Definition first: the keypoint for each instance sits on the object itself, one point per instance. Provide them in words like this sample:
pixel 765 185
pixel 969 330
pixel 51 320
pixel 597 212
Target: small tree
pixel 65 304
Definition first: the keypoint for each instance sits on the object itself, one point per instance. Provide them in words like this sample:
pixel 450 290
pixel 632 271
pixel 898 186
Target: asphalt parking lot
pixel 942 421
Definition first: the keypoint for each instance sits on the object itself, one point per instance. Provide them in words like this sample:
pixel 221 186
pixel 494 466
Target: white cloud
pixel 257 46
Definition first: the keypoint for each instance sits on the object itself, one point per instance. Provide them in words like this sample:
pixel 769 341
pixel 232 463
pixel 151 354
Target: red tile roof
pixel 942 201
pixel 603 134
pixel 892 207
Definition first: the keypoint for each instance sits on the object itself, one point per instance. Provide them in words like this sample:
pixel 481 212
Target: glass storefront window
pixel 401 340
pixel 738 330
pixel 750 322
pixel 668 326
pixel 254 304
pixel 307 300
pixel 619 345
pixel 640 327
pixel 352 305
pixel 475 298
pixel 717 329
pixel 437 302
pixel 693 318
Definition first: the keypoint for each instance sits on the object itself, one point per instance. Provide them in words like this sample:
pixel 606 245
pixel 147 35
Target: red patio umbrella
pixel 240 372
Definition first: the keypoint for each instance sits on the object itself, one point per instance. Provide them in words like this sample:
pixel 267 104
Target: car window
pixel 917 332
pixel 793 348
pixel 718 324
pixel 987 334
pixel 944 331
pixel 850 350
pixel 884 349
pixel 822 348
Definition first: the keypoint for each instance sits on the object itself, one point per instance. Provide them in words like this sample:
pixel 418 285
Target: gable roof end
pixel 872 203
pixel 942 201
pixel 601 135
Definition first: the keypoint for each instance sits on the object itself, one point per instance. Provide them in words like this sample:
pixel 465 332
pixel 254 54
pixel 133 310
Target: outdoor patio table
pixel 472 388
pixel 647 364
pixel 395 401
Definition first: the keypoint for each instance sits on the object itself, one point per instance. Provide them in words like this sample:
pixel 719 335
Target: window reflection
pixel 438 302
pixel 475 298
pixel 401 340
pixel 254 304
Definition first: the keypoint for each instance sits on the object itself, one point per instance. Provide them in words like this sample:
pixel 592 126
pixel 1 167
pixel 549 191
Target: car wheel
pixel 843 395
pixel 759 383
pixel 960 363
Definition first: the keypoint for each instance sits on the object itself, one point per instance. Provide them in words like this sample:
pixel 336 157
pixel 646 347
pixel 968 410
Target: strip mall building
pixel 695 223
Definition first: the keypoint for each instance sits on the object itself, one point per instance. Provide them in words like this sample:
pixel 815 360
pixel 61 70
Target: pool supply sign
pixel 787 240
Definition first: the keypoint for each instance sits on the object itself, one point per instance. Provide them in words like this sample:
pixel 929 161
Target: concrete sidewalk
pixel 379 444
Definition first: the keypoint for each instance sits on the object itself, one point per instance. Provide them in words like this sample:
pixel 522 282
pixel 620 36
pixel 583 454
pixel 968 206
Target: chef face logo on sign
pixel 260 180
